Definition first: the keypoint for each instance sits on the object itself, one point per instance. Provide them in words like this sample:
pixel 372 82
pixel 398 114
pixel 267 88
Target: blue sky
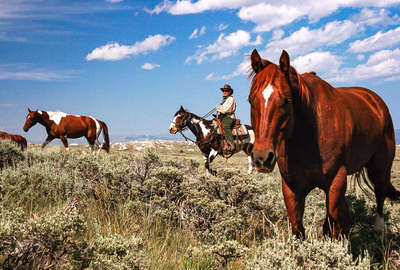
pixel 133 63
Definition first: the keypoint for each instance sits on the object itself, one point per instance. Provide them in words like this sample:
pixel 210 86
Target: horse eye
pixel 286 101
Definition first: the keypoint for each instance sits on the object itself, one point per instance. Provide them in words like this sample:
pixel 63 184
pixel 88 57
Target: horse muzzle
pixel 25 128
pixel 172 129
pixel 264 161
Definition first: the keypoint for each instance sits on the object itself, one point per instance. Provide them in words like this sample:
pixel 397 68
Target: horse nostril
pixel 258 162
pixel 270 158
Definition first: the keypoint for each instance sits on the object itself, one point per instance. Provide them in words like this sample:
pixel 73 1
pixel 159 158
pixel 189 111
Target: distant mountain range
pixel 178 137
pixel 167 137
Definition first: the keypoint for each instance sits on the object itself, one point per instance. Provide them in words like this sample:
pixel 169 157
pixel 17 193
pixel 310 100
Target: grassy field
pixel 152 206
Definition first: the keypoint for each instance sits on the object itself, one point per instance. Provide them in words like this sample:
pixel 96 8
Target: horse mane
pixel 304 91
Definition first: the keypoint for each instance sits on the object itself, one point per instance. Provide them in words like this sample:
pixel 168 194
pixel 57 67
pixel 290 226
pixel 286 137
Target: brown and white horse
pixel 318 135
pixel 62 126
pixel 18 139
pixel 208 137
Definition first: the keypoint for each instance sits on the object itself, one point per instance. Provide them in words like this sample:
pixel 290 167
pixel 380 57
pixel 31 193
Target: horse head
pixel 31 119
pixel 271 97
pixel 180 121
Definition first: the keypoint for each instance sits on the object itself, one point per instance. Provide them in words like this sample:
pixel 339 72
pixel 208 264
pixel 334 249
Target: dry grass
pixel 159 192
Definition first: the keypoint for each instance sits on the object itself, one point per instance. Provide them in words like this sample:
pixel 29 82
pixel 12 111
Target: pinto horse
pixel 18 139
pixel 318 135
pixel 208 137
pixel 62 126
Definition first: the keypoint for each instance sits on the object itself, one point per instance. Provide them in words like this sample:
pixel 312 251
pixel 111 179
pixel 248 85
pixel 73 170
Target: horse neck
pixel 45 121
pixel 305 111
pixel 195 127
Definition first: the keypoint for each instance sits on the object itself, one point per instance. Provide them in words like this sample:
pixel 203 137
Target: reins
pixel 201 119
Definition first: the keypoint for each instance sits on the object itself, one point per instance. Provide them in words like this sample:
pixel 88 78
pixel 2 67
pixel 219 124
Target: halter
pixel 184 126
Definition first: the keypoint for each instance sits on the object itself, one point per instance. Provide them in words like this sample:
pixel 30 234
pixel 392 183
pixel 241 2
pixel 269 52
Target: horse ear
pixel 256 62
pixel 181 109
pixel 284 62
pixel 29 110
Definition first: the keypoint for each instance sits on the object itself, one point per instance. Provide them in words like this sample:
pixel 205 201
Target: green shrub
pixel 42 241
pixel 10 153
pixel 289 253
pixel 118 252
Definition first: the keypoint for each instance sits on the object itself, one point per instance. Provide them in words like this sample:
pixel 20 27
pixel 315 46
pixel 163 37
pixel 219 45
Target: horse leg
pixel 338 219
pixel 379 170
pixel 247 149
pixel 65 142
pixel 295 209
pixel 208 158
pixel 381 182
pixel 250 160
pixel 47 141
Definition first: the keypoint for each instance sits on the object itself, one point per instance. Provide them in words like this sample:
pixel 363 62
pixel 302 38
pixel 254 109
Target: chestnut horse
pixel 209 139
pixel 62 126
pixel 18 139
pixel 318 135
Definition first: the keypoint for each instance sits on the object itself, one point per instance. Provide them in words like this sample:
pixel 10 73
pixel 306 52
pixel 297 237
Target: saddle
pixel 237 131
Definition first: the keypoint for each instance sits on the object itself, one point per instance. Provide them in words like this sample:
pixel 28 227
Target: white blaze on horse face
pixel 173 125
pixel 267 93
pixel 56 116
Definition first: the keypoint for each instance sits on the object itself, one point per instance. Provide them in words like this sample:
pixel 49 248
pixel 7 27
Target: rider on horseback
pixel 227 114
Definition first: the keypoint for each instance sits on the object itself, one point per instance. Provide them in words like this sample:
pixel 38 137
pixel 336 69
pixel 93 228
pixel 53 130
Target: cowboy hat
pixel 227 87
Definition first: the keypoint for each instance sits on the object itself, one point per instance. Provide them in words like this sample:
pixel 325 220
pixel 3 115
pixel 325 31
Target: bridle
pixel 185 124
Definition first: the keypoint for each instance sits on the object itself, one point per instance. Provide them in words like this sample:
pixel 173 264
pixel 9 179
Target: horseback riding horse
pixel 209 138
pixel 61 125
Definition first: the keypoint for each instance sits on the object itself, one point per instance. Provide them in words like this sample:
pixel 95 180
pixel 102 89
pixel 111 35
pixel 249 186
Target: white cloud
pixel 149 66
pixel 375 17
pixel 320 62
pixel 360 57
pixel 114 51
pixel 24 72
pixel 196 33
pixel 114 1
pixel 385 63
pixel 268 16
pixel 181 7
pixel 378 41
pixel 306 40
pixel 202 30
pixel 225 46
pixel 242 69
pixel 222 27
pixel 277 34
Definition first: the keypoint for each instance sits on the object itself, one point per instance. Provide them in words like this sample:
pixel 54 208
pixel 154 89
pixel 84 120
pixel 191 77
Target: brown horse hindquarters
pixel 366 129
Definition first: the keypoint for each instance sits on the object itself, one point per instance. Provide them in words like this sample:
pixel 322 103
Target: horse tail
pixel 360 176
pixel 106 144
